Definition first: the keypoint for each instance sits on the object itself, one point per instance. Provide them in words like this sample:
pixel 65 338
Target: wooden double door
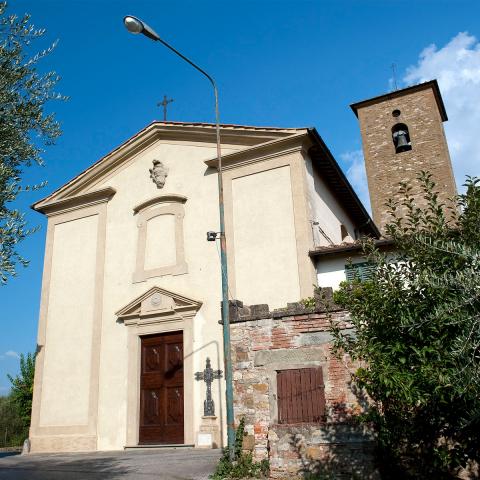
pixel 161 389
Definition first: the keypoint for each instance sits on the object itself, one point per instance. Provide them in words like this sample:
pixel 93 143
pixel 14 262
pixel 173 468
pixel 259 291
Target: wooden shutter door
pixel 300 395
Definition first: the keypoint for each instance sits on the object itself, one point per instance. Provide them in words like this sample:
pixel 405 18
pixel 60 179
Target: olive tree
pixel 417 335
pixel 25 127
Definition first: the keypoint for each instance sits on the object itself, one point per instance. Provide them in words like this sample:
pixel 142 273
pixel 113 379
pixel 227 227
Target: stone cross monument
pixel 208 376
pixel 209 434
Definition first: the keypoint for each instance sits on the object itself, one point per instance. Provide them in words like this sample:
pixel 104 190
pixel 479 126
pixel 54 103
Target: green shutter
pixel 363 271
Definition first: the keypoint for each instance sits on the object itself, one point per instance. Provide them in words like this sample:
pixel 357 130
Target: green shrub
pixel 22 387
pixel 13 430
pixel 308 302
pixel 417 336
pixel 16 408
pixel 243 466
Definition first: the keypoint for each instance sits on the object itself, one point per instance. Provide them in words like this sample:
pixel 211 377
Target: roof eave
pixel 151 131
pixel 258 150
pixel 368 223
pixel 72 203
pixel 334 250
pixel 398 93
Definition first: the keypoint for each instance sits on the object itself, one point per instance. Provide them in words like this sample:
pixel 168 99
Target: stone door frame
pixel 133 376
pixel 141 319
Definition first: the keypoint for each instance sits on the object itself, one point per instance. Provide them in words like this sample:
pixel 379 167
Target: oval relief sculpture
pixel 156 300
pixel 158 173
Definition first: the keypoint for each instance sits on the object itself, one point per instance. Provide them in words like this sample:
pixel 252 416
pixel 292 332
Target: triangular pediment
pixel 241 136
pixel 158 302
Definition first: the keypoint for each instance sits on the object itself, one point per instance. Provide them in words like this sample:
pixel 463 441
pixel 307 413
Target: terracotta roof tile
pixel 346 247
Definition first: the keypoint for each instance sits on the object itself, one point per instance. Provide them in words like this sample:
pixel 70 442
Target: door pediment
pixel 158 305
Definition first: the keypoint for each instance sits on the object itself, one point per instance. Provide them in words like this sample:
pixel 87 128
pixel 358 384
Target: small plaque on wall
pixel 204 440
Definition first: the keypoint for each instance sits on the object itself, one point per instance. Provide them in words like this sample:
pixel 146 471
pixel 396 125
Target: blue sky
pixel 277 63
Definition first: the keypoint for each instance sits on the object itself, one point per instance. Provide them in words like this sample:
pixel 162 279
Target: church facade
pixel 130 303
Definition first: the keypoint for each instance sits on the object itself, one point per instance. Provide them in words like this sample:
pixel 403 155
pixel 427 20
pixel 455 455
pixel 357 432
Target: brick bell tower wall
pixel 421 109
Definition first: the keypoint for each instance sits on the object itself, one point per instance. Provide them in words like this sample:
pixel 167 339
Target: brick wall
pixel 264 342
pixel 385 168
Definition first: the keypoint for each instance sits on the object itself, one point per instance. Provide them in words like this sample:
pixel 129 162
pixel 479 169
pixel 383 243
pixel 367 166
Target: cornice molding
pixel 263 158
pixel 262 152
pixel 166 198
pixel 74 203
pixel 432 84
pixel 157 131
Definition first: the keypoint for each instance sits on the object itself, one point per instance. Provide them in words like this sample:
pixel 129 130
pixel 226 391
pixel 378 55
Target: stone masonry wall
pixel 264 342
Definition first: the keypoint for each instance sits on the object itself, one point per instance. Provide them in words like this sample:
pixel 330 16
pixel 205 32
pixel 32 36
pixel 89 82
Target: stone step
pixel 158 446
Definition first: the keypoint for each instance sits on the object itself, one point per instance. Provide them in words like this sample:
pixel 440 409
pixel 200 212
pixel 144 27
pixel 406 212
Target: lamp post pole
pixel 135 25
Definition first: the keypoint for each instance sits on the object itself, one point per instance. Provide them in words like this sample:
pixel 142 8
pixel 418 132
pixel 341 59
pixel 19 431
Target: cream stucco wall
pixel 326 210
pixel 65 400
pixel 268 236
pixel 69 339
pixel 268 233
pixel 263 221
pixel 160 232
pixel 188 176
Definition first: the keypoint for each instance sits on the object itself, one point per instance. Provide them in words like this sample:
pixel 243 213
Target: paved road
pixel 165 464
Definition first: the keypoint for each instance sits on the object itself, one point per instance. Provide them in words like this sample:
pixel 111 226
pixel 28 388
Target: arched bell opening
pixel 401 138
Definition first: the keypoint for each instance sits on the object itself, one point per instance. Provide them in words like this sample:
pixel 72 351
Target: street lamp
pixel 136 26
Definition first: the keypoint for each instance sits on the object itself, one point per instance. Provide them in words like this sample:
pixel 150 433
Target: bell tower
pixel 402 134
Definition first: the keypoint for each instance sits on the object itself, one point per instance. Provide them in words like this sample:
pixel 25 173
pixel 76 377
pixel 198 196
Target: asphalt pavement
pixel 161 464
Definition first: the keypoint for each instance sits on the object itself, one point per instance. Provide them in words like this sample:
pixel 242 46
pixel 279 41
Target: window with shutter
pixel 300 395
pixel 363 271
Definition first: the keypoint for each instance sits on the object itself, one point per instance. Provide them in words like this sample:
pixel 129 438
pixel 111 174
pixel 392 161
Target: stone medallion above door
pixel 158 305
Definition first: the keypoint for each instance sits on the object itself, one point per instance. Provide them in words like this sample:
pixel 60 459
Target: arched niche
pixel 160 244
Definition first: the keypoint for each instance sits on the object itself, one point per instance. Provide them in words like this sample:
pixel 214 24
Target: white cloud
pixel 456 66
pixel 11 353
pixel 356 175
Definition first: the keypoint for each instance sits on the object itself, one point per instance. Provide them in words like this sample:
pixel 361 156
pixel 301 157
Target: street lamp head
pixel 135 25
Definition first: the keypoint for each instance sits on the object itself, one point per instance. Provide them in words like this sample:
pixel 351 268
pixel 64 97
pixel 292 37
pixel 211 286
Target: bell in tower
pixel 401 138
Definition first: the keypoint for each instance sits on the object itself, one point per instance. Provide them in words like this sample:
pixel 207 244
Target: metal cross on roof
pixel 394 76
pixel 208 376
pixel 164 104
